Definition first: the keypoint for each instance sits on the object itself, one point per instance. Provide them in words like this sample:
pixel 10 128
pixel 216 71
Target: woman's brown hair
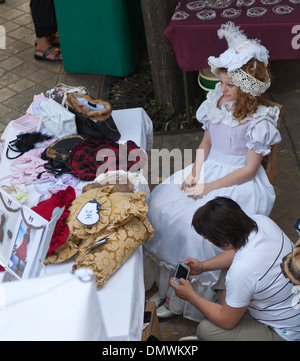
pixel 246 104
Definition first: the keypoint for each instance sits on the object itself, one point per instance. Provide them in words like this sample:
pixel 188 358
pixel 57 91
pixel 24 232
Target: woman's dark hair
pixel 223 222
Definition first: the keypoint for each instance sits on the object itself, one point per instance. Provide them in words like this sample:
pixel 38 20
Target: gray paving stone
pixel 11 14
pixel 6 93
pixel 11 62
pixel 21 85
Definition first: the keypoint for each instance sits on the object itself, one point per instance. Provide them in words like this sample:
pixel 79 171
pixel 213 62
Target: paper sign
pixel 88 214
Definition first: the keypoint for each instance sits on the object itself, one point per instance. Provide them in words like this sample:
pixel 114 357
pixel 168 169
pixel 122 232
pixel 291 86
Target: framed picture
pixel 24 238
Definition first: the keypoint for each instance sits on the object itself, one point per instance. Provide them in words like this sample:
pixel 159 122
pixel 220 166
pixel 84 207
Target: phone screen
pixel 182 272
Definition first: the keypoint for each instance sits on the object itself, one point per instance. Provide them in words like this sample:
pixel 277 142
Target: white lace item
pixel 248 83
pixel 240 51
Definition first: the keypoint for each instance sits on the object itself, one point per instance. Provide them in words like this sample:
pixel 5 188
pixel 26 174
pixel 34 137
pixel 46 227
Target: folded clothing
pixel 122 220
pixel 62 198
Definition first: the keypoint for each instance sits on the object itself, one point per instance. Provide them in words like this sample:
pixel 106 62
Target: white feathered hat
pixel 240 49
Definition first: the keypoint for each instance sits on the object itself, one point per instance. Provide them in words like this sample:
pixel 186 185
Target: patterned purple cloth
pixel 192 32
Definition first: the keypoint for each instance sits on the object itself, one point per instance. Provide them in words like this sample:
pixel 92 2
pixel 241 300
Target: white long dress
pixel 171 210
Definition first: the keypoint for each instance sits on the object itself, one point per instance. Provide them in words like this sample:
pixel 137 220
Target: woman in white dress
pixel 238 131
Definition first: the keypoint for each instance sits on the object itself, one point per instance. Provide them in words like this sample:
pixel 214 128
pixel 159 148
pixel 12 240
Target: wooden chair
pixel 269 161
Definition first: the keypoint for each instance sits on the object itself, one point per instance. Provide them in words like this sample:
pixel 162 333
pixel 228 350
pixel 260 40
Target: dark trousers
pixel 44 17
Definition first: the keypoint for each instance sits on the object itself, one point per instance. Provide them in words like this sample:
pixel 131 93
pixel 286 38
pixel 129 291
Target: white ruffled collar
pixel 215 114
pixel 224 115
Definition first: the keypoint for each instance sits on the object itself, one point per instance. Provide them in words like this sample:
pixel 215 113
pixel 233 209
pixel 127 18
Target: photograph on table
pixel 28 244
pixel 22 246
pixel 23 236
pixel 9 217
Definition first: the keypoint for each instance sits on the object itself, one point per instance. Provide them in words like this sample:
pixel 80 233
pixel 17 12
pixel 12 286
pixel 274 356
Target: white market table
pixel 121 300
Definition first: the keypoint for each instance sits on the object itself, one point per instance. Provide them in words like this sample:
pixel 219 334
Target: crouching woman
pixel 258 301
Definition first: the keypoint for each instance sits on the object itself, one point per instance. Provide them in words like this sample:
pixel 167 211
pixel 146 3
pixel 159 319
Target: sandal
pixel 53 40
pixel 46 53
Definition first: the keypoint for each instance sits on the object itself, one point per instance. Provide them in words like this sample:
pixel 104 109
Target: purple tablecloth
pixel 192 32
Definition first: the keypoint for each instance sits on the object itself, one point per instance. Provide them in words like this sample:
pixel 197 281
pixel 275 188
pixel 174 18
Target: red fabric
pixel 94 156
pixel 63 198
pixel 194 40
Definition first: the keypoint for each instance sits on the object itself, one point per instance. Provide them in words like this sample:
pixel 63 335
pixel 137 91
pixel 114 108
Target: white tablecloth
pixel 61 307
pixel 121 299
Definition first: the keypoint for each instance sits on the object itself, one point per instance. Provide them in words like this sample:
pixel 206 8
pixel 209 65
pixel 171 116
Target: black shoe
pixel 2 1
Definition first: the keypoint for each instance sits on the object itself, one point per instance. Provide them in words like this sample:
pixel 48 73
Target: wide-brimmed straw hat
pixel 290 265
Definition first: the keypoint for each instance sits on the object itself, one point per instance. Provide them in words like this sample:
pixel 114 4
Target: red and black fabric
pixel 93 156
pixel 62 198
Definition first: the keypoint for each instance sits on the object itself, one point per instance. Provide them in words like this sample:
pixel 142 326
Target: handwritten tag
pixel 88 214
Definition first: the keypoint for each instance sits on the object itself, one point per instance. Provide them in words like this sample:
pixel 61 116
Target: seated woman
pixel 238 131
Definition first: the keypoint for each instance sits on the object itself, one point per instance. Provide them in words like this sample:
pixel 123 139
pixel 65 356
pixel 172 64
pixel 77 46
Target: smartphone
pixel 182 271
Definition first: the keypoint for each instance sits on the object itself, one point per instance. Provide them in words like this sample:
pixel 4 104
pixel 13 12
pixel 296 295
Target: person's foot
pixel 46 51
pixel 54 40
pixel 157 299
pixel 51 54
pixel 48 41
pixel 164 312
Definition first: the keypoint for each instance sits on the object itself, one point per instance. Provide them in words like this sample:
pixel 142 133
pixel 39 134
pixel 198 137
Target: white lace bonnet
pixel 240 51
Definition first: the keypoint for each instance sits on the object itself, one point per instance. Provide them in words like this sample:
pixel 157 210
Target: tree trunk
pixel 166 74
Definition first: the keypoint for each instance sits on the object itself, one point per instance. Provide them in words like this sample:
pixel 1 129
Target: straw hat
pixel 291 265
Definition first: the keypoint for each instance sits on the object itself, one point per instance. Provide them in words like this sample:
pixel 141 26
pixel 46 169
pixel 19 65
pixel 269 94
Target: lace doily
pixel 248 83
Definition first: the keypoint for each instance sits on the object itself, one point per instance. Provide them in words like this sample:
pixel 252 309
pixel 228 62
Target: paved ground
pixel 21 77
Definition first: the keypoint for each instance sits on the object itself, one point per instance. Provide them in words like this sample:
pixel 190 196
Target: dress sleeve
pixel 262 134
pixel 202 117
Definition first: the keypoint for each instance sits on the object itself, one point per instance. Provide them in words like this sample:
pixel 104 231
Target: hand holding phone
pixel 182 271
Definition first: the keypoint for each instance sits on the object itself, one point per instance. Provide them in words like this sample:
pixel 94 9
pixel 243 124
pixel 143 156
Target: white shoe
pixel 157 299
pixel 164 312
pixel 189 338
